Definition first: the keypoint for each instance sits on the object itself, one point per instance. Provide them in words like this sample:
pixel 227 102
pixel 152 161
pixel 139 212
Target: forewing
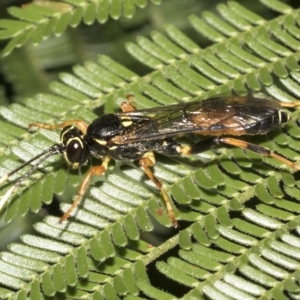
pixel 216 116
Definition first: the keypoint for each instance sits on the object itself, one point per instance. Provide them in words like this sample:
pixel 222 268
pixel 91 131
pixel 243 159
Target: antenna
pixel 53 150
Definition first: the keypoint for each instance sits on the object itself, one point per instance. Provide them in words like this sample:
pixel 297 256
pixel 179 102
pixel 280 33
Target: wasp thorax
pixel 76 150
pixel 105 127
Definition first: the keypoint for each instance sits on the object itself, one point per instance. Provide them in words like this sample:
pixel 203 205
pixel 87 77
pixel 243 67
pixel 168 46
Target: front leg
pixel 98 171
pixel 82 126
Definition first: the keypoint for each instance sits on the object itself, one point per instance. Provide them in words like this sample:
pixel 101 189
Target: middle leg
pixel 146 162
pixel 129 105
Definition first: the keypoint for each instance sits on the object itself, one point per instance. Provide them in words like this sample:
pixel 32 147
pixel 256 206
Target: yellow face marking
pixel 65 132
pixel 71 165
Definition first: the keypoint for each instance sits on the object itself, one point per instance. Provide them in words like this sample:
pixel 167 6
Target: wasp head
pixel 76 151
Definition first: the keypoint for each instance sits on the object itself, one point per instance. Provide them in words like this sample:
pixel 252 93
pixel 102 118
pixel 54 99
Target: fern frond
pixel 38 20
pixel 241 235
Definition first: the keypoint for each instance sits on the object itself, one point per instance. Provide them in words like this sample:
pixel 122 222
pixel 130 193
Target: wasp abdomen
pixel 270 123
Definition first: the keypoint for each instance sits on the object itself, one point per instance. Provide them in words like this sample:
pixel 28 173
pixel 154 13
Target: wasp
pixel 135 135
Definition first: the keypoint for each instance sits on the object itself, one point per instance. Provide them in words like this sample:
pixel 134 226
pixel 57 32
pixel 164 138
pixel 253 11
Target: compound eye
pixel 74 151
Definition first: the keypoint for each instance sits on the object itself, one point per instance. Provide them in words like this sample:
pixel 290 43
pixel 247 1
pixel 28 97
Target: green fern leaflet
pixel 239 213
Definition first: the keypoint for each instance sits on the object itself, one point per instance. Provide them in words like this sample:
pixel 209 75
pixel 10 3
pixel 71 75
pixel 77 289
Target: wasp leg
pixel 82 126
pixel 257 149
pixel 147 161
pixel 128 106
pixel 98 171
pixel 205 145
pixel 290 104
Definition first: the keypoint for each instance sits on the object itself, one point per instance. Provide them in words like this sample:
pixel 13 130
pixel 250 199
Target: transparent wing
pixel 216 116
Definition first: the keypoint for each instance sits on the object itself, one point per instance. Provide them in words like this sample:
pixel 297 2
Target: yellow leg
pixel 98 171
pixel 82 126
pixel 128 106
pixel 258 149
pixel 148 161
pixel 290 104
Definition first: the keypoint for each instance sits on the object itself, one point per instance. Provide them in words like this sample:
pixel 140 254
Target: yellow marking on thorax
pixel 113 148
pixel 101 142
pixel 126 122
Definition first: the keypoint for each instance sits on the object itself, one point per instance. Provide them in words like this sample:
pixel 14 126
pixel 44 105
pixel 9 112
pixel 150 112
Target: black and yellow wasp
pixel 137 134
